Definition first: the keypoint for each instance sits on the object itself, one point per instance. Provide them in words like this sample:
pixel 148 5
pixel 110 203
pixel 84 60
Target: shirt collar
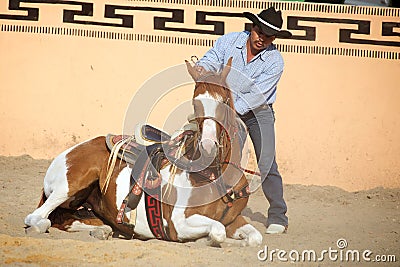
pixel 242 41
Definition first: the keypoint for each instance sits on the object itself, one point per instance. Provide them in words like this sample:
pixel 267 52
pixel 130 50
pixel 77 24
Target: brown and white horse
pixel 207 202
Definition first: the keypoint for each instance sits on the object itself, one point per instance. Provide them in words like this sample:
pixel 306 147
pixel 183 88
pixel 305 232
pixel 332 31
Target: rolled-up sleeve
pixel 213 59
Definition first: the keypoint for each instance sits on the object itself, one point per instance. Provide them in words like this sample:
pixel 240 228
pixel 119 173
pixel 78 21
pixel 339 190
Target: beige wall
pixel 338 118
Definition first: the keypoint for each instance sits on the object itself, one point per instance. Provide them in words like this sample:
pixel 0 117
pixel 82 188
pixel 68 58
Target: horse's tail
pixel 112 159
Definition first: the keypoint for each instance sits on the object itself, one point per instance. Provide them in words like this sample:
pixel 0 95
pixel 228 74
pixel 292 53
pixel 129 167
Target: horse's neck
pixel 231 159
pixel 232 146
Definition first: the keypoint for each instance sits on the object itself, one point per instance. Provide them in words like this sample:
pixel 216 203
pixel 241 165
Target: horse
pixel 204 190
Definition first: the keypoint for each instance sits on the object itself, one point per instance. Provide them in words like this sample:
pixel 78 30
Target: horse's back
pixel 88 153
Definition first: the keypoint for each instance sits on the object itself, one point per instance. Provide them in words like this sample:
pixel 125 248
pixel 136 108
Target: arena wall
pixel 72 70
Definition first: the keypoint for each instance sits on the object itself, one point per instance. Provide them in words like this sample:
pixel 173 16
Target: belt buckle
pixel 263 106
pixel 246 115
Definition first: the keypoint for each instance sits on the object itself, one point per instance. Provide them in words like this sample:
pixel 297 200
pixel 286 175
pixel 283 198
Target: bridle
pixel 222 163
pixel 229 130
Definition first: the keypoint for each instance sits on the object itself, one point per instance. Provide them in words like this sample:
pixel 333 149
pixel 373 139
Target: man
pixel 256 69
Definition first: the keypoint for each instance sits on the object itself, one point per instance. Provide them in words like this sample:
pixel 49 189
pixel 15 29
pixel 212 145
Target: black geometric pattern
pixel 118 23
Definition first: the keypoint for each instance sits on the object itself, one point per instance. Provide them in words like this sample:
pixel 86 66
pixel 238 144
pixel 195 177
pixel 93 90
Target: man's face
pixel 258 40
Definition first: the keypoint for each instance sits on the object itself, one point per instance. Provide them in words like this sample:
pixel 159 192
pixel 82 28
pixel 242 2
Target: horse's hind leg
pixel 81 220
pixel 101 231
pixel 64 219
pixel 56 190
pixel 38 220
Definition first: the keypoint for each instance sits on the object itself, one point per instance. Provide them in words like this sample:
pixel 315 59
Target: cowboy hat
pixel 270 22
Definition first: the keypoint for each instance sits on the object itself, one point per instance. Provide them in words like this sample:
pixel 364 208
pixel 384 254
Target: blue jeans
pixel 261 127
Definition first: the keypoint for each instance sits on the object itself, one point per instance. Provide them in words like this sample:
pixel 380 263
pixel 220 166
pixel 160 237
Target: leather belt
pixel 250 114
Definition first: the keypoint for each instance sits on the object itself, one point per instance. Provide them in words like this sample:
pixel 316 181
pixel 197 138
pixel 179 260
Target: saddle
pixel 145 178
pixel 144 151
pixel 130 147
pixel 146 134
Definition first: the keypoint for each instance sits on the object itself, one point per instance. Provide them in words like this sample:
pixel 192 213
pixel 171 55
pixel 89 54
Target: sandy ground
pixel 319 217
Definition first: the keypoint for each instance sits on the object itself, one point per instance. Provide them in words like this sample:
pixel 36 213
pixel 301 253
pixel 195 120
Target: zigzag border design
pixel 293 6
pixel 284 48
pixel 200 37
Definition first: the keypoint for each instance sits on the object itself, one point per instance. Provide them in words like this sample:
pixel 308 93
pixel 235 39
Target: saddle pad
pixel 129 150
pixel 154 213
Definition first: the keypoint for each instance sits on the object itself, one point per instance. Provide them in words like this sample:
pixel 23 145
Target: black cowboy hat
pixel 270 22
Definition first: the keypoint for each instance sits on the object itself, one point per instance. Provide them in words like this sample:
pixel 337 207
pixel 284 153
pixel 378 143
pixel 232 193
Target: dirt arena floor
pixel 335 224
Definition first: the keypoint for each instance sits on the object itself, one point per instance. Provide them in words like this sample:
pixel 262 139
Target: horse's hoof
pixel 102 232
pixel 44 225
pixel 32 230
pixel 217 235
pixel 213 243
pixel 40 227
pixel 32 219
pixel 255 239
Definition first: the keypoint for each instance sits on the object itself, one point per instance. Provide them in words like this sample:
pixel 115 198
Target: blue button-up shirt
pixel 252 83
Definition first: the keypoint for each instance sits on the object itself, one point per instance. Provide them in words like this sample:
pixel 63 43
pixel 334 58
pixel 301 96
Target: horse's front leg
pixel 242 230
pixel 197 226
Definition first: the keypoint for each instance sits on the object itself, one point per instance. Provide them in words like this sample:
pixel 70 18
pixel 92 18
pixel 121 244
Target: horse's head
pixel 213 109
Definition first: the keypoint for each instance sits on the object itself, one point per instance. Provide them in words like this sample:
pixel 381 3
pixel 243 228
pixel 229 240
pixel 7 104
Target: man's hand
pixel 200 69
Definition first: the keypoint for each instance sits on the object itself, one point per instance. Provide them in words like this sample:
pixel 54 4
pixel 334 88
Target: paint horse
pixel 202 187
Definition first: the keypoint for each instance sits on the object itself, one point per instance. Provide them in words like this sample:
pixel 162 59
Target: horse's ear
pixel 192 71
pixel 227 69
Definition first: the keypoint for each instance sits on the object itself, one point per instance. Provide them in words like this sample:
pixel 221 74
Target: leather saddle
pixel 144 151
pixel 146 134
pixel 130 147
